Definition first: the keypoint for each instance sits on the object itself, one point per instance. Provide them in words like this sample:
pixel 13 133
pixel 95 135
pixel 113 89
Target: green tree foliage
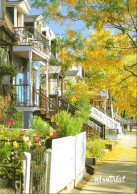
pixel 108 57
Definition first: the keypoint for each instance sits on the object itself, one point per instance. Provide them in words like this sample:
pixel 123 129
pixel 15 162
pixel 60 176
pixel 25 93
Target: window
pixel 1 9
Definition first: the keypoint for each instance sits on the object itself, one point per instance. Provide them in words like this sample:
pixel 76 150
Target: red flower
pixel 10 122
pixel 22 134
pixel 53 134
pixel 37 138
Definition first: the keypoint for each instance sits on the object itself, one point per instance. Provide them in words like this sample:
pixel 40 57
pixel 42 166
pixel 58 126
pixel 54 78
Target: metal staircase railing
pixel 120 119
pixel 103 118
pixel 46 104
pixel 51 108
pixel 93 123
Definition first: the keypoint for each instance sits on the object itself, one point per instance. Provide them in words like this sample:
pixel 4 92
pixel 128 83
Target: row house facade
pixel 32 49
pixel 7 39
pixel 30 52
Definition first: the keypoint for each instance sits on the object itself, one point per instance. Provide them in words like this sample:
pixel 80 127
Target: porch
pixel 29 36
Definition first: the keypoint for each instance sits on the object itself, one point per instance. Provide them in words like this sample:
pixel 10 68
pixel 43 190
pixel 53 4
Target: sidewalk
pixel 121 164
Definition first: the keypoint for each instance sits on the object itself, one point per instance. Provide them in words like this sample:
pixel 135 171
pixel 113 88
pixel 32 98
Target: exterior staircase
pixel 120 119
pixel 94 124
pixel 48 108
pixel 106 120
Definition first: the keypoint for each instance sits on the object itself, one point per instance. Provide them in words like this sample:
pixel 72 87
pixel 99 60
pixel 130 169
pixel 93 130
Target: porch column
pixel 47 78
pixel 30 78
pixel 15 17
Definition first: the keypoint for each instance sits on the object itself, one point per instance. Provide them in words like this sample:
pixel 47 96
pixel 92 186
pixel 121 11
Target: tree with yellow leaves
pixel 108 58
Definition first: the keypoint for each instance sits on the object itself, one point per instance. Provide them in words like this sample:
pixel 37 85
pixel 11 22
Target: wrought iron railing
pixel 31 36
pixel 46 104
pixel 38 169
pixel 100 128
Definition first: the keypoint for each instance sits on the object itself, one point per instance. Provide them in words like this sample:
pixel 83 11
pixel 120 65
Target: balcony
pixel 29 36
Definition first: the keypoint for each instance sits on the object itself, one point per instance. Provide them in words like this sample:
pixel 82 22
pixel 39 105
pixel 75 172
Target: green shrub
pixel 40 126
pixel 109 133
pixel 12 113
pixel 12 145
pixel 17 120
pixel 95 148
pixel 67 125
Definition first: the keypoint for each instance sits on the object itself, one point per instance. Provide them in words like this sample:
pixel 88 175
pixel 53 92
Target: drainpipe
pixel 30 78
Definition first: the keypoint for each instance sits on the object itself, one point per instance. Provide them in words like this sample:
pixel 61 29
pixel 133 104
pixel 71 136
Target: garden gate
pixel 38 171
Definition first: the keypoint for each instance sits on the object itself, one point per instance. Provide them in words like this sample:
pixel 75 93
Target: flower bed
pixel 13 143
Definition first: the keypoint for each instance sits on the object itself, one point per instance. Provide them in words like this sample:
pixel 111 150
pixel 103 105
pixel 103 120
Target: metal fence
pixel 38 171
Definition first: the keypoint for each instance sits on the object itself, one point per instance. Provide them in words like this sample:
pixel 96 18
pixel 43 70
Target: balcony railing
pixel 22 95
pixel 31 36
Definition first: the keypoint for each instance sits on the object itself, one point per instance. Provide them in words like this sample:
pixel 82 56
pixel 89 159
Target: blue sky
pixel 57 28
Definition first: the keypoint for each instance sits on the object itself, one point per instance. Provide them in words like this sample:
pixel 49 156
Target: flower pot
pixel 109 146
pixel 91 161
pixel 15 43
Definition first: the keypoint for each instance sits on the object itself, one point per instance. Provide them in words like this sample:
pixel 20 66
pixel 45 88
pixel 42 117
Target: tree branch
pixel 130 71
pixel 124 79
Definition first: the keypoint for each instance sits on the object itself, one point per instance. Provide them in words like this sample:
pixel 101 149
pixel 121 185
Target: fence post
pixel 47 159
pixel 26 161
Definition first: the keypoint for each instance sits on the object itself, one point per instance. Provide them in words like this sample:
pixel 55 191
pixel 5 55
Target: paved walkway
pixel 121 164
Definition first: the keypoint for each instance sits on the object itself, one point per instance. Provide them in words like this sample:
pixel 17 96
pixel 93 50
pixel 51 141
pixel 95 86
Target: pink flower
pixel 52 134
pixel 10 122
pixel 37 138
pixel 22 134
